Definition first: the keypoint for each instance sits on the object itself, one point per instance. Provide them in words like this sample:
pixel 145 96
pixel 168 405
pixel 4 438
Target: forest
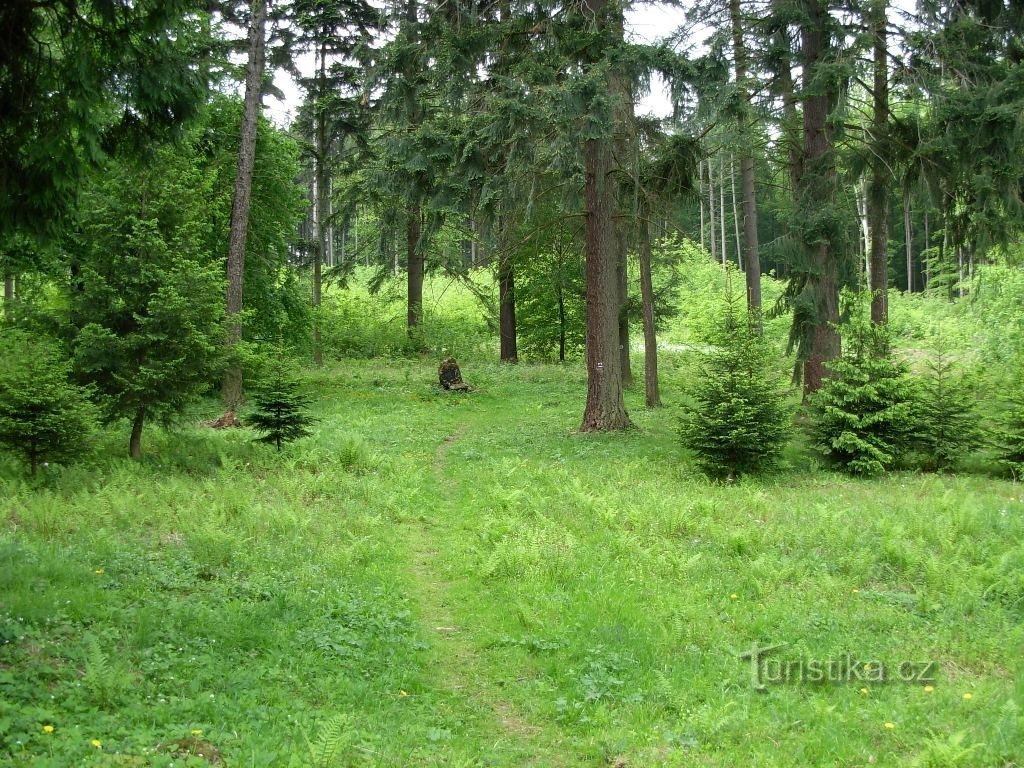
pixel 733 296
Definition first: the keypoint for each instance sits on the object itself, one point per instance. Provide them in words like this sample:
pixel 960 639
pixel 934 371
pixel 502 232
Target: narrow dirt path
pixel 458 664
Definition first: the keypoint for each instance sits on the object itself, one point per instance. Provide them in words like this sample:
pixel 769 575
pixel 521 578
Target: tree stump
pixel 450 377
pixel 228 421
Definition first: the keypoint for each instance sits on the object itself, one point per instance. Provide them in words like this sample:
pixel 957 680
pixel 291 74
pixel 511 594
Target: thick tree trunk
pixel 817 189
pixel 653 397
pixel 232 385
pixel 878 193
pixel 135 443
pixel 507 303
pixel 414 260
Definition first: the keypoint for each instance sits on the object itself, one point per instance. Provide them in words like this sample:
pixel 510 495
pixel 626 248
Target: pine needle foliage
pixel 739 422
pixel 42 415
pixel 280 414
pixel 863 412
pixel 945 419
pixel 1010 436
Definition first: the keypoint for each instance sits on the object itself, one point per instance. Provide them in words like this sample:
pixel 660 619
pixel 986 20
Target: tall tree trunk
pixel 817 189
pixel 135 443
pixel 625 149
pixel 878 193
pixel 605 409
pixel 721 206
pixel 735 212
pixel 506 298
pixel 751 255
pixel 908 237
pixel 712 217
pixel 700 195
pixel 651 392
pixel 414 259
pixel 323 195
pixel 232 385
pixel 561 321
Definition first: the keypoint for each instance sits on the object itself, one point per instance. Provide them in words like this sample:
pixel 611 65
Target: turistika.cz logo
pixel 768 670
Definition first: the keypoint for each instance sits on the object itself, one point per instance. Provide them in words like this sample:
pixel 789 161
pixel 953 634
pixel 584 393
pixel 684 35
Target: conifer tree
pixel 280 414
pixel 740 421
pixel 945 419
pixel 43 416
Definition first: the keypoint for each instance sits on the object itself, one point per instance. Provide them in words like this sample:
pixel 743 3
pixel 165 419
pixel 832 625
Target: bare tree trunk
pixel 506 299
pixel 232 385
pixel 817 188
pixel 752 258
pixel 653 397
pixel 735 213
pixel 700 194
pixel 908 237
pixel 712 217
pixel 927 245
pixel 8 295
pixel 323 194
pixel 561 322
pixel 135 443
pixel 721 205
pixel 878 193
pixel 414 259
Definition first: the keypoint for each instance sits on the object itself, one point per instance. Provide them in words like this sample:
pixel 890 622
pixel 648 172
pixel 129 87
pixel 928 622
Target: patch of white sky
pixel 645 23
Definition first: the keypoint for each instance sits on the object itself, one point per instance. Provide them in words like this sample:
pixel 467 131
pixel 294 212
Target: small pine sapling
pixel 945 421
pixel 1010 436
pixel 43 416
pixel 739 422
pixel 280 414
pixel 862 413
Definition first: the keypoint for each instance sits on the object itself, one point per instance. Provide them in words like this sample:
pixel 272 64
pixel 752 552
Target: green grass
pixel 463 580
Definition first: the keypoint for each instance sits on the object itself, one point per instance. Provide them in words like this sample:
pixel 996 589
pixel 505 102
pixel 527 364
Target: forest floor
pixel 440 579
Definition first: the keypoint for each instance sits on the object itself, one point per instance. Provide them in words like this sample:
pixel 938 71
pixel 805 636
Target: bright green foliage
pixel 945 421
pixel 281 414
pixel 1010 437
pixel 42 415
pixel 148 301
pixel 740 421
pixel 863 411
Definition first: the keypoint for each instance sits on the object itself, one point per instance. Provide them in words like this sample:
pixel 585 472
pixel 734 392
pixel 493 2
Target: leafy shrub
pixel 42 415
pixel 740 421
pixel 863 410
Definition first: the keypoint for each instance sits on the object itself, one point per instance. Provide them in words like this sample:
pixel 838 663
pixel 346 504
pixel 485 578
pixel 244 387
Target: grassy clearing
pixel 438 580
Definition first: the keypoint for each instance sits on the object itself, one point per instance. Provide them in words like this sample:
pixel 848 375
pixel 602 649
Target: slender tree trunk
pixel 323 195
pixel 653 397
pixel 625 149
pixel 735 213
pixel 927 245
pixel 751 255
pixel 700 195
pixel 8 295
pixel 135 443
pixel 232 385
pixel 878 193
pixel 908 238
pixel 561 322
pixel 721 206
pixel 817 189
pixel 712 217
pixel 414 257
pixel 506 298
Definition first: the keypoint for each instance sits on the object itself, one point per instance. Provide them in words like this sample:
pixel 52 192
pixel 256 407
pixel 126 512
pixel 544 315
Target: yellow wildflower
pixel 864 691
pixel 929 689
pixel 47 729
pixel 734 596
pixel 889 726
pixel 196 732
pixel 98 571
pixel 403 694
pixel 97 743
pixel 968 696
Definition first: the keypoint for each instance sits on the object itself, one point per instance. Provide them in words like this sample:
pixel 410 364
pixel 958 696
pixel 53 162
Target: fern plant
pixel 862 413
pixel 739 421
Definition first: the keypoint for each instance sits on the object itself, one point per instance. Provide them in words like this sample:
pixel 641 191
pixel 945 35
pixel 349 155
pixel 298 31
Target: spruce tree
pixel 944 417
pixel 863 410
pixel 739 422
pixel 280 414
pixel 42 415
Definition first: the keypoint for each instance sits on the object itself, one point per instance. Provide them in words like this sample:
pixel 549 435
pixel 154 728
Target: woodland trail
pixel 458 662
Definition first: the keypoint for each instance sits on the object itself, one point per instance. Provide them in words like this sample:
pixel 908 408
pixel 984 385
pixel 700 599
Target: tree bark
pixel 232 385
pixel 507 302
pixel 878 193
pixel 605 409
pixel 323 196
pixel 135 443
pixel 414 261
pixel 653 396
pixel 712 217
pixel 817 189
pixel 8 295
pixel 908 238
pixel 721 207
